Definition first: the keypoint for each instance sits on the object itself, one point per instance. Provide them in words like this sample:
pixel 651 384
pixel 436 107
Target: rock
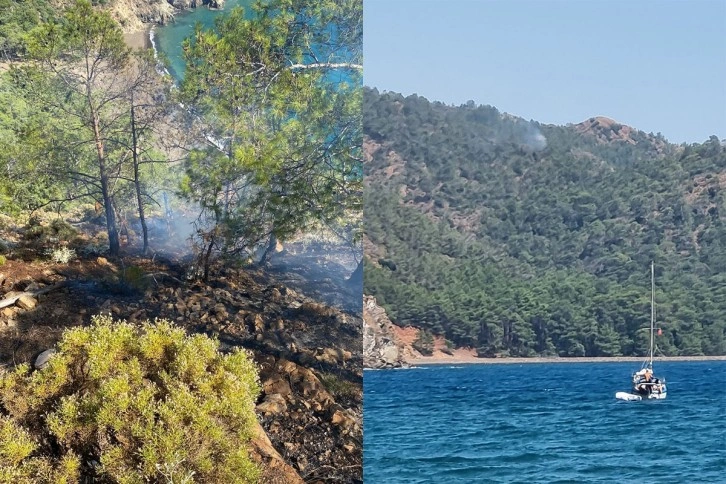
pixel 274 468
pixel 33 286
pixel 258 323
pixel 105 308
pixel 276 384
pixel 220 310
pixel 380 346
pixel 272 404
pixel 329 355
pixel 102 261
pixel 27 302
pixel 9 312
pixel 343 419
pixel 181 308
pixel 42 360
pixel 290 447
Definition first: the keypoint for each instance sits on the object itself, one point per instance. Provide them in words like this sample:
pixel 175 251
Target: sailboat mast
pixel 652 308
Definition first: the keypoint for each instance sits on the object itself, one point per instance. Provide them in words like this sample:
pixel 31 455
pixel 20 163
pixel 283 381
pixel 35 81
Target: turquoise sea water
pixel 543 423
pixel 168 38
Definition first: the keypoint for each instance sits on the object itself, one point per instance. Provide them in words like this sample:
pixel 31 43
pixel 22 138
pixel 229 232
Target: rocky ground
pixel 309 354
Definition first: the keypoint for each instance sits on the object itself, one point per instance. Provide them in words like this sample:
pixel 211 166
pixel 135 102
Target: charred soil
pixel 309 354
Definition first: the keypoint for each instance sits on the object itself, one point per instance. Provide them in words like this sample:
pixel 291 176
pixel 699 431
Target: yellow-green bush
pixel 130 404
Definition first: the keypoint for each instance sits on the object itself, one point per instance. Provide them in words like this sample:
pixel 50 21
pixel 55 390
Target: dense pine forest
pixel 521 239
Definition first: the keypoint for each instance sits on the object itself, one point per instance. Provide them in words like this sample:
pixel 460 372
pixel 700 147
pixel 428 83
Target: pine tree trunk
pixel 268 251
pixel 137 181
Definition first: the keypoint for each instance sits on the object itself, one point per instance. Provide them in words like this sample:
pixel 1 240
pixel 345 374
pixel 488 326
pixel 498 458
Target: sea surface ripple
pixel 550 422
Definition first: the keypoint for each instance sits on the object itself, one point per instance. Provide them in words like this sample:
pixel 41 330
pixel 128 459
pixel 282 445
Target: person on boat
pixel 643 380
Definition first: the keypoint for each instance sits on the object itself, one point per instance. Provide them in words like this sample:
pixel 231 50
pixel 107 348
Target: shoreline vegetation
pixel 458 360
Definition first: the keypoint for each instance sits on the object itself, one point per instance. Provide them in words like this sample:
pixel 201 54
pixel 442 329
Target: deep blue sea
pixel 550 422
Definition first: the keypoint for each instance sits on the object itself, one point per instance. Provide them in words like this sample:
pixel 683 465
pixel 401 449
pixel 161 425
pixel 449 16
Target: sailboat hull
pixel 632 397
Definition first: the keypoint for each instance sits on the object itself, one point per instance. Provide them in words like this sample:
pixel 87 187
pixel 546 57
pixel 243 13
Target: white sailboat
pixel 645 384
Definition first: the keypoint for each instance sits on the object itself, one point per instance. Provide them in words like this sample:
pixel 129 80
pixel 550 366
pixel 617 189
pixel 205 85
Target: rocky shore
pixel 386 345
pixel 440 360
pixel 381 347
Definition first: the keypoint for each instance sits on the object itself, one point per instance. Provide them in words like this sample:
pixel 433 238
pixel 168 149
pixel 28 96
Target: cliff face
pixel 381 348
pixel 134 14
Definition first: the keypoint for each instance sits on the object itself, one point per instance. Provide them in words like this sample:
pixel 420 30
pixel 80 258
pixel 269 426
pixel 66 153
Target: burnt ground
pixel 309 353
pixel 320 271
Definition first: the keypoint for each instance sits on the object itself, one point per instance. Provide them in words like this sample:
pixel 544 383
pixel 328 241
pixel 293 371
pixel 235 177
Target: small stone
pixel 219 309
pixel 33 286
pixel 27 302
pixel 102 261
pixel 338 418
pixel 9 312
pixel 277 385
pixel 42 360
pixel 181 307
pixel 290 446
pixel 273 404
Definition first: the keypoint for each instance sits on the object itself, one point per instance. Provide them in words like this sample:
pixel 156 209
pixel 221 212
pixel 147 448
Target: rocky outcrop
pixel 381 349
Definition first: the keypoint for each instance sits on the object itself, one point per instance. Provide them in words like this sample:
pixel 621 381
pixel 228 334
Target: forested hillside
pixel 520 239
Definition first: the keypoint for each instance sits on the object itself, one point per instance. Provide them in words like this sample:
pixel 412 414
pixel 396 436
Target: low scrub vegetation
pixel 130 404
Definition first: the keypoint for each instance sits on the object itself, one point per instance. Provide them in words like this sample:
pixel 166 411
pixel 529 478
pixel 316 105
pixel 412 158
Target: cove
pixel 167 39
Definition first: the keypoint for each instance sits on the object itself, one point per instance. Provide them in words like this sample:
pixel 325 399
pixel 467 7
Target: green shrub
pixel 63 230
pixel 135 278
pixel 57 231
pixel 424 343
pixel 337 386
pixel 130 404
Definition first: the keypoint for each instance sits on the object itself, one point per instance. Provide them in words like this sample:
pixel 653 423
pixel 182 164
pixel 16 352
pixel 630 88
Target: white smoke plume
pixel 534 139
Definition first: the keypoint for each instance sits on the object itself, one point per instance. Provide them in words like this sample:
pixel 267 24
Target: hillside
pixel 129 195
pixel 522 239
pixel 308 354
pixel 18 18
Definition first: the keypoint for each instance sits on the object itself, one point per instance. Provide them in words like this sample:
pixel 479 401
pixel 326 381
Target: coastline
pixel 437 360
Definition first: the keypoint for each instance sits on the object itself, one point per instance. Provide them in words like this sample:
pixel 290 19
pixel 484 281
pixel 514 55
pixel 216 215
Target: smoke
pixel 533 138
